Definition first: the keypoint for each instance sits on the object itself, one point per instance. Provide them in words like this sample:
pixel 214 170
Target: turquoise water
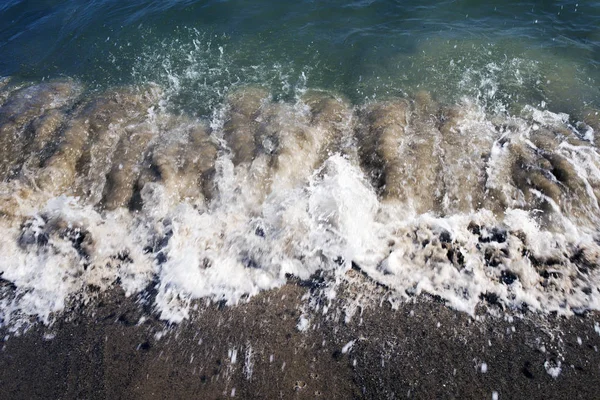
pixel 515 52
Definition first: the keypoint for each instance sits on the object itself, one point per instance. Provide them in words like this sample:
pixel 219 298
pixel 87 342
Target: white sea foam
pixel 322 213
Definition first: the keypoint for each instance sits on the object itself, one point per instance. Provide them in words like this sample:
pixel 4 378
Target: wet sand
pixel 421 350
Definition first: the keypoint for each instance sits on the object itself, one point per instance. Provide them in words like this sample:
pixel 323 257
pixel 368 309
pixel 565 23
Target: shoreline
pixel 255 350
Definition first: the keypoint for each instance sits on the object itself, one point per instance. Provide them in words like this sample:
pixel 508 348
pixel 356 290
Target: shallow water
pixel 184 150
pixel 359 49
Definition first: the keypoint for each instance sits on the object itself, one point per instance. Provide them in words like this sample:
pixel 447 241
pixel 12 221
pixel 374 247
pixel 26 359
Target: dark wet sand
pixel 398 354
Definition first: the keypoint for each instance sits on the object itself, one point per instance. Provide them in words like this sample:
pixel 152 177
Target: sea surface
pixel 186 150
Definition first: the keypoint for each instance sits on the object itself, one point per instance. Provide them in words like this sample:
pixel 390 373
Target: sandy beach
pixel 422 350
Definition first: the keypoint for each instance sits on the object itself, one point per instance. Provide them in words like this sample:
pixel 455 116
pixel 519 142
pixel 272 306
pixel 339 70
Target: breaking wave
pixel 456 200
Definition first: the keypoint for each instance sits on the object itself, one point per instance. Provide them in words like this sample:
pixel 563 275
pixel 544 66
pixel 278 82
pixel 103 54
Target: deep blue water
pixel 361 49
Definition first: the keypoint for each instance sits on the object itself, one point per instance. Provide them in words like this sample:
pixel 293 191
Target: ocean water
pixel 186 150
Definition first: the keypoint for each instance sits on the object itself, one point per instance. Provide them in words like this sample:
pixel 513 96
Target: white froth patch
pixel 348 346
pixel 345 207
pixel 212 253
pixel 545 117
pixel 47 277
pixel 553 368
pixel 303 324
